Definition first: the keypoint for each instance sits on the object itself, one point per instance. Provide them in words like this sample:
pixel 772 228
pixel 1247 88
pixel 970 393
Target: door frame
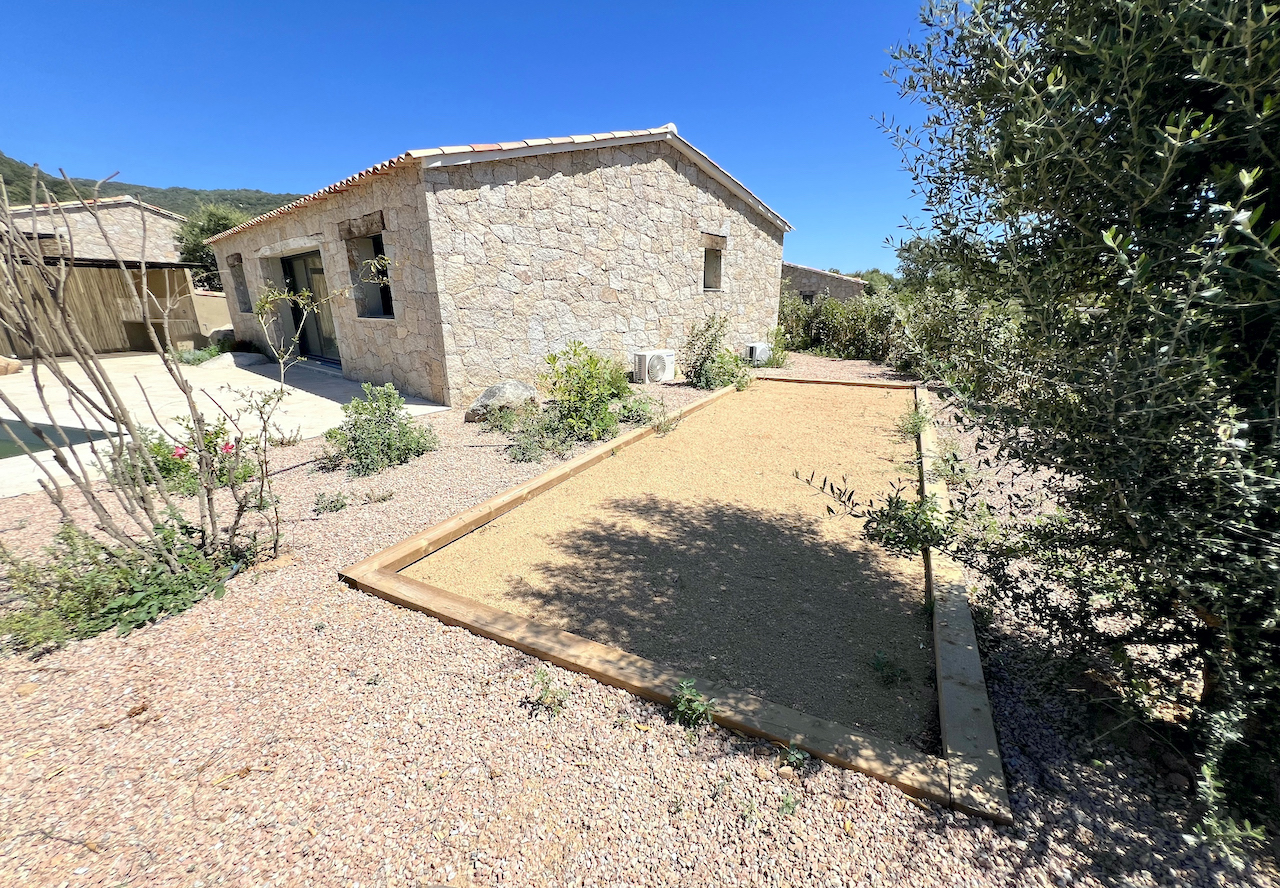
pixel 287 268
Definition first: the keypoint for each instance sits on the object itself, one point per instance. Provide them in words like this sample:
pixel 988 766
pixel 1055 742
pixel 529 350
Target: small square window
pixel 807 298
pixel 711 263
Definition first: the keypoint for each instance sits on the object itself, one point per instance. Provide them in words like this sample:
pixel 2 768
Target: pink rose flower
pixel 180 452
pixel 227 447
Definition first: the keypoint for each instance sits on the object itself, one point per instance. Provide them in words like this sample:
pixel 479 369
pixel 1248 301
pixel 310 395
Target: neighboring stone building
pixel 500 254
pixel 810 283
pixel 130 232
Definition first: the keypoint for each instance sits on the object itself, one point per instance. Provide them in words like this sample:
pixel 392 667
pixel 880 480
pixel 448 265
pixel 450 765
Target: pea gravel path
pixel 299 732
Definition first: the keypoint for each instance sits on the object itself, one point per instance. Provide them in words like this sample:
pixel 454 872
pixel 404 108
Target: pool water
pixel 69 435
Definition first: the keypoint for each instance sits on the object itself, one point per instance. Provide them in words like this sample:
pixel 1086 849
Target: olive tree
pixel 1106 172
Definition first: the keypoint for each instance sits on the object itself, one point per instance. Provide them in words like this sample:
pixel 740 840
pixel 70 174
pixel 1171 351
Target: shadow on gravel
pixel 1082 805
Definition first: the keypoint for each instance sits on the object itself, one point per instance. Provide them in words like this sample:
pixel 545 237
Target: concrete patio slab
pixel 316 394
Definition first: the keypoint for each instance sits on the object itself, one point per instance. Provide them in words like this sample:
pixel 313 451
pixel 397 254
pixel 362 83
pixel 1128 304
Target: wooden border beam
pixel 970 778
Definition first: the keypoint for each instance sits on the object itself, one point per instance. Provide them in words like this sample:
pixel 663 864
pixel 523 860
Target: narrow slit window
pixel 711 264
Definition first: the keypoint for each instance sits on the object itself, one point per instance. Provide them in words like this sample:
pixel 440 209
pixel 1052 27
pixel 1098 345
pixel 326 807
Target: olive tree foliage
pixel 1106 171
pixel 204 223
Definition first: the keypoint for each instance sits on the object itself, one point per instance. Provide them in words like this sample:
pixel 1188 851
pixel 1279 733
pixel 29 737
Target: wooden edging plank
pixel 970 778
pixel 810 380
pixel 916 773
pixel 968 730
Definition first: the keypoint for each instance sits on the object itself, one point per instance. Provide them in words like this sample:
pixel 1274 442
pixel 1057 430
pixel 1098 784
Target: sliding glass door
pixel 319 339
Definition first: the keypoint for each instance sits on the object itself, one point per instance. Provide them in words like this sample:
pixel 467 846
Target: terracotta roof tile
pixel 668 131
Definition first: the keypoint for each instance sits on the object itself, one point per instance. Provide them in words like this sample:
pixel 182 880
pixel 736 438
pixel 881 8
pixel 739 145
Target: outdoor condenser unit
pixel 655 365
pixel 758 353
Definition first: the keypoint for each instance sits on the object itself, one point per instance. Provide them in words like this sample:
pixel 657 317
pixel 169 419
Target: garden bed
pixel 702 552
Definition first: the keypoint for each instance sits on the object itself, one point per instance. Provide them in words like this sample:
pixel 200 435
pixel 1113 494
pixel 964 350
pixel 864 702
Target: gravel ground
pixel 299 732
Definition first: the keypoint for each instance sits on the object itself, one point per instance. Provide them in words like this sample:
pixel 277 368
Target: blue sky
pixel 287 96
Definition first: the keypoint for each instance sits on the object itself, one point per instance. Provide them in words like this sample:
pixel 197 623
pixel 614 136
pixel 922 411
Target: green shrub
pixel 690 707
pixel 376 432
pixel 200 355
pixel 705 363
pixel 794 318
pixel 329 502
pixel 581 384
pixel 635 409
pixel 861 329
pixel 82 587
pixel 176 462
pixel 537 434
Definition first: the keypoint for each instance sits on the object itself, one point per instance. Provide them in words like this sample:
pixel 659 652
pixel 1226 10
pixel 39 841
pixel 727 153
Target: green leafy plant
pixel 581 385
pixel 664 423
pixel 704 361
pixel 788 805
pixel 635 409
pixel 82 587
pixel 376 432
pixel 329 502
pixel 890 671
pixel 547 695
pixel 1143 381
pixel 690 707
pixel 795 757
pixel 200 355
pixel 910 424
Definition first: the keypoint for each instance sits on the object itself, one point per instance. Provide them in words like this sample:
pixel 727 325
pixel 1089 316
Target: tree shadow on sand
pixel 761 602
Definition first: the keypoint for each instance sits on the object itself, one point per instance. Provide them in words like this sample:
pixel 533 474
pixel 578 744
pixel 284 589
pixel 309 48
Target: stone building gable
pixel 603 245
pixel 406 350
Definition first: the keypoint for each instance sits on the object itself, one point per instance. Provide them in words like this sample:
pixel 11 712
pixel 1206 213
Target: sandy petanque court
pixel 701 551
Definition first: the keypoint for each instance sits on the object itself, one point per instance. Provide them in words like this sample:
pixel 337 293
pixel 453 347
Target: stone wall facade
pixel 495 264
pixel 122 220
pixel 603 245
pixel 406 350
pixel 812 282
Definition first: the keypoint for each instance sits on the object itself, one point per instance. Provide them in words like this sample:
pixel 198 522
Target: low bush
pixel 83 587
pixel 690 707
pixel 329 502
pixel 176 461
pixel 582 384
pixel 635 410
pixel 376 432
pixel 706 363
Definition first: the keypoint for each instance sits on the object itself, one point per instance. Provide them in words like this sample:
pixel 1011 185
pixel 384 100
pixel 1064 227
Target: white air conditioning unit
pixel 758 353
pixel 655 365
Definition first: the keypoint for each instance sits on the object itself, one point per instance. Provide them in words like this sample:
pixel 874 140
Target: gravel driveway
pixel 300 732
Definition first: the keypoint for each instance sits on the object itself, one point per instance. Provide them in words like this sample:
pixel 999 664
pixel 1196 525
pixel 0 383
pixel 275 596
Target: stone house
pixel 498 254
pixel 810 283
pixel 129 232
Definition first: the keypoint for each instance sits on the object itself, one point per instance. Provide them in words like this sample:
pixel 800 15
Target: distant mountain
pixel 17 180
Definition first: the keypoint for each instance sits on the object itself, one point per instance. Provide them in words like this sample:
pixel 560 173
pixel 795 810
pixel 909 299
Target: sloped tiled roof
pixel 450 155
pixel 74 204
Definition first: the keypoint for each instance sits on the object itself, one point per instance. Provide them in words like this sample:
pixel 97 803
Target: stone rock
pixel 1177 782
pixel 228 360
pixel 510 393
pixel 9 365
pixel 223 334
pixel 27 688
